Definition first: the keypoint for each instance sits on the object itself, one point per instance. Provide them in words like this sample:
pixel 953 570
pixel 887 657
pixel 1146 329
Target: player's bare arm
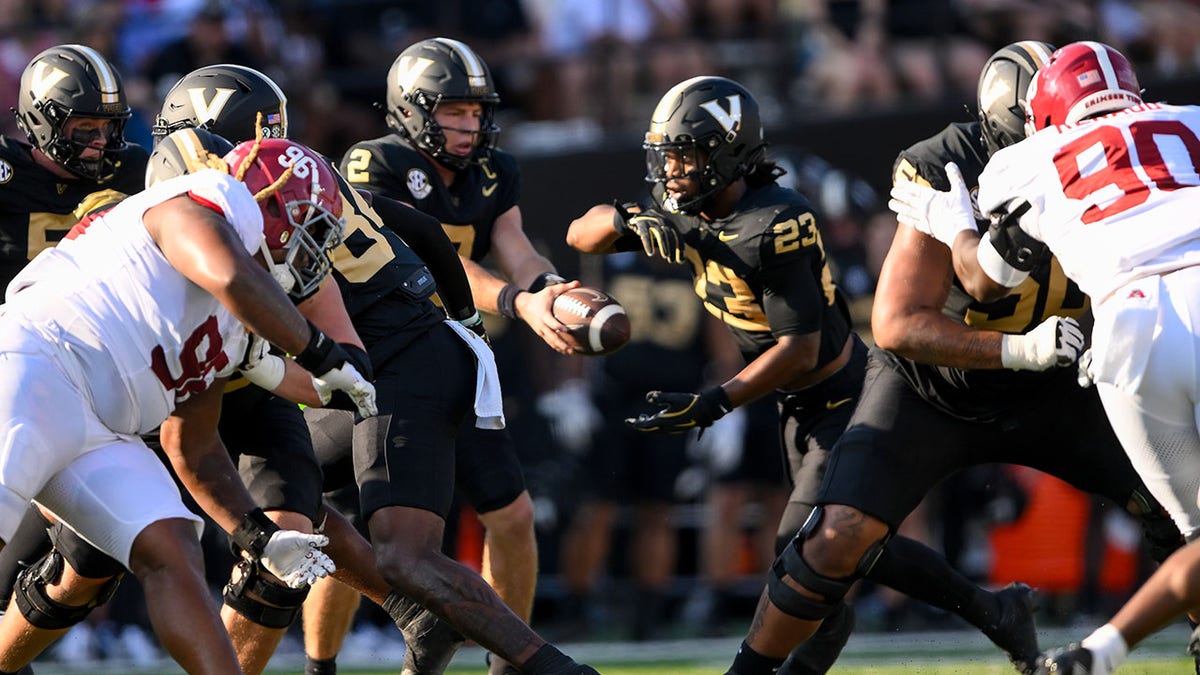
pixel 593 232
pixel 907 317
pixel 327 311
pixel 788 364
pixel 202 246
pixel 976 281
pixel 520 262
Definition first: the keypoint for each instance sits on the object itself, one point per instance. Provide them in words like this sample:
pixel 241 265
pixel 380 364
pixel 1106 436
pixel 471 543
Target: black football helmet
pixel 429 73
pixel 186 151
pixel 714 123
pixel 225 99
pixel 73 81
pixel 1003 85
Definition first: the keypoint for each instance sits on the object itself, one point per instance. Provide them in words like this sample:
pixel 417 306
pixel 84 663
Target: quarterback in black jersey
pixel 440 157
pixel 73 111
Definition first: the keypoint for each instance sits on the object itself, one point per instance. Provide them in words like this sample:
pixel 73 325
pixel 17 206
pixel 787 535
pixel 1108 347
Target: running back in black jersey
pixel 467 209
pixel 37 208
pixel 667 348
pixel 759 269
pixel 981 394
pixel 385 286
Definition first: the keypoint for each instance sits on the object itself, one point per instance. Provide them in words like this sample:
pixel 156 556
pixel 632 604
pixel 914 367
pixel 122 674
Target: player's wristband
pixel 316 357
pixel 268 373
pixel 506 302
pixel 253 533
pixel 543 280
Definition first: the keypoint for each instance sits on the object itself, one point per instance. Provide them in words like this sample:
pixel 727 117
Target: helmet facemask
pixel 315 231
pixel 424 130
pixel 67 149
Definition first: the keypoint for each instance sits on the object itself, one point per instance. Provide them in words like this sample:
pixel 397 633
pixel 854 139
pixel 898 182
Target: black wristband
pixel 506 302
pixel 322 354
pixel 543 280
pixel 620 217
pixel 253 533
pixel 718 399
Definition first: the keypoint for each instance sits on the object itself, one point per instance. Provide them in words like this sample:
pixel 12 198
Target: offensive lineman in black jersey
pixel 946 395
pixel 756 254
pixel 72 108
pixel 440 158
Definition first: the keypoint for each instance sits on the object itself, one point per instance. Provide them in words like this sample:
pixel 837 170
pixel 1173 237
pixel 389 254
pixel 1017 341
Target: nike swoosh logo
pixel 725 236
pixel 489 189
pixel 834 405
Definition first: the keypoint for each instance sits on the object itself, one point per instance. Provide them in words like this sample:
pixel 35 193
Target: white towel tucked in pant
pixel 489 403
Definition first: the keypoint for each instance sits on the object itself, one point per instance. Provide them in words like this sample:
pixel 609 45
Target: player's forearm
pixel 778 367
pixel 202 463
pixel 974 279
pixel 327 311
pixel 260 304
pixel 933 338
pixel 485 286
pixel 593 232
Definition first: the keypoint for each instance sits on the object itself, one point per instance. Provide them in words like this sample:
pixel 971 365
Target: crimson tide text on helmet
pixel 73 81
pixel 225 99
pixel 1003 86
pixel 301 202
pixel 432 72
pixel 186 151
pixel 713 124
pixel 1083 79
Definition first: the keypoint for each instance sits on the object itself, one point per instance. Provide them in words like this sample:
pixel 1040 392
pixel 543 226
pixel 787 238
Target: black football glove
pixel 683 412
pixel 659 236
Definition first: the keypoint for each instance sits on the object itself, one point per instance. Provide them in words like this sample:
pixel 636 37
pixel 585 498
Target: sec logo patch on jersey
pixel 418 183
pixel 6 172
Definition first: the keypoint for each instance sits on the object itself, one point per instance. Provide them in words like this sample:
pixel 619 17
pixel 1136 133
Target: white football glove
pixel 941 215
pixel 1085 377
pixel 260 366
pixel 571 415
pixel 347 378
pixel 1056 342
pixel 296 558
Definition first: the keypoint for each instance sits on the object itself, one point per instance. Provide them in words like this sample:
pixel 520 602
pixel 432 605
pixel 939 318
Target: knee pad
pixel 262 601
pixel 1160 531
pixel 84 558
pixel 40 609
pixel 791 564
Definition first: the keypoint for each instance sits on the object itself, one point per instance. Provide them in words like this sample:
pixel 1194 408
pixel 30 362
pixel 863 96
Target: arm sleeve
pixel 793 282
pixel 424 234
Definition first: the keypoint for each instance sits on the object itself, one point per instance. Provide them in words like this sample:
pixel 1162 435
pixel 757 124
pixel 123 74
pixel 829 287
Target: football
pixel 597 323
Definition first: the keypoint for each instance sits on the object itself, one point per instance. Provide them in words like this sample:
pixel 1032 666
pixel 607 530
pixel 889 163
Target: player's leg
pixel 335 603
pixel 406 488
pixel 489 476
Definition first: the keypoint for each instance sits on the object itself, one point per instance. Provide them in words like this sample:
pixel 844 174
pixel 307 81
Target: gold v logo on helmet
pixel 730 120
pixel 44 81
pixel 207 111
pixel 409 70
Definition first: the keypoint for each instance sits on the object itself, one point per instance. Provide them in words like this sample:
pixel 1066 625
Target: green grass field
pixel 1150 667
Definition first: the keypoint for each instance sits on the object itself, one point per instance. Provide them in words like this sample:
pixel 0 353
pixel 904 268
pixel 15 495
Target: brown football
pixel 597 322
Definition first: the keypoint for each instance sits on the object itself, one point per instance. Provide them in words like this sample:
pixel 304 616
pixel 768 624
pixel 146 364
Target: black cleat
pixel 1014 630
pixel 818 654
pixel 431 644
pixel 1069 660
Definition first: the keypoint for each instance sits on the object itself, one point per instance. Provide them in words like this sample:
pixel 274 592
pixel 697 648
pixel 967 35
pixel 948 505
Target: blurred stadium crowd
pixel 577 73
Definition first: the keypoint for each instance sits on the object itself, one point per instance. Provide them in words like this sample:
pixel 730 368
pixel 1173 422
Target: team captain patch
pixel 418 183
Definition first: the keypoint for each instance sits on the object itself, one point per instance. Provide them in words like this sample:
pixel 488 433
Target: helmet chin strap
pixel 279 271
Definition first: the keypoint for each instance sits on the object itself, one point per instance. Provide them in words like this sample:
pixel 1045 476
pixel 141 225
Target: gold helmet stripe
pixel 109 89
pixel 476 72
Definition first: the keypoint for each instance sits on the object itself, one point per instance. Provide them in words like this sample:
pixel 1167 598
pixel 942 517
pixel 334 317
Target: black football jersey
pixel 981 394
pixel 467 209
pixel 385 286
pixel 37 207
pixel 667 345
pixel 763 271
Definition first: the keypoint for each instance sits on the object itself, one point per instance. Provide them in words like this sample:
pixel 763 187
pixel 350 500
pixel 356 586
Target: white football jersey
pixel 1115 198
pixel 143 335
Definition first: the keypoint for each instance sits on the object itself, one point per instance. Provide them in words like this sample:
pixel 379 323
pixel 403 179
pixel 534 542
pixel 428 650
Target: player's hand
pixel 260 366
pixel 474 323
pixel 659 236
pixel 571 415
pixel 1085 377
pixel 537 310
pixel 1055 343
pixel 296 558
pixel 347 378
pixel 941 215
pixel 682 412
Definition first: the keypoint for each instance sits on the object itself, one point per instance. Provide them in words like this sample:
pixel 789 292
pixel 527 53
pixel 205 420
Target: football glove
pixel 1056 342
pixel 941 215
pixel 683 412
pixel 296 558
pixel 332 371
pixel 1070 660
pixel 1085 376
pixel 659 236
pixel 260 366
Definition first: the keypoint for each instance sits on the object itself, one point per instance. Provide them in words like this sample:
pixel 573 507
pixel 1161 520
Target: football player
pixel 952 384
pixel 73 110
pixel 440 157
pixel 1123 228
pixel 77 339
pixel 755 251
